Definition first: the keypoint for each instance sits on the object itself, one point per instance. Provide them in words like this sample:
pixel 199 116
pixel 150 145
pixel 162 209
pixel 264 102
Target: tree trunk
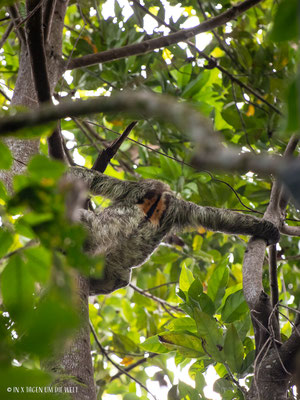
pixel 75 362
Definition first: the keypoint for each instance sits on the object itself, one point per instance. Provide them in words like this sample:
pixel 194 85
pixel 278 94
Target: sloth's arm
pixel 222 220
pixel 106 186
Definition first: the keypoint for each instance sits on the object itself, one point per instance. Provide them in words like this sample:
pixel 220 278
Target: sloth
pixel 141 215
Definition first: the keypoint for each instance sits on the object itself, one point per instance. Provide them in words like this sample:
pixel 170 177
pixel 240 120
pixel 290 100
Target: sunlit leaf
pixel 235 306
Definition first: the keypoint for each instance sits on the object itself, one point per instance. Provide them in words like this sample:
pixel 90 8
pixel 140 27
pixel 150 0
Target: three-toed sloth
pixel 141 215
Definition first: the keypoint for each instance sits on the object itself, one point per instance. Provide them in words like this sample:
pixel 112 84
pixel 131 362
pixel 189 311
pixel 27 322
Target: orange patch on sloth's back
pixel 153 207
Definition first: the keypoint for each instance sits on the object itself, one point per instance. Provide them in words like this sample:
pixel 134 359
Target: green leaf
pixel 26 378
pixel 218 281
pixel 131 396
pixel 200 383
pixel 234 307
pixel 212 335
pixel 231 116
pixel 186 278
pixel 222 385
pixel 3 191
pixel 200 299
pixel 4 3
pixel 187 392
pixel 38 260
pixel 6 240
pixel 233 349
pixel 199 366
pixel 33 132
pixel 183 75
pixel 153 344
pixel 206 304
pixel 184 323
pixel 286 21
pixel 124 344
pixel 186 344
pixel 41 167
pixel 170 168
pixel 195 86
pixel 293 103
pixel 195 290
pixel 5 156
pixel 17 286
pixel 53 320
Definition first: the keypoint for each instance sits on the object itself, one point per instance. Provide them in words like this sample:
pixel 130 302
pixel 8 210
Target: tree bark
pixel 75 362
pixel 275 363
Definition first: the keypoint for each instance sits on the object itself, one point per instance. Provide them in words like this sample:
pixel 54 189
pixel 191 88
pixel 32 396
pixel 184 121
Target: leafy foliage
pixel 190 307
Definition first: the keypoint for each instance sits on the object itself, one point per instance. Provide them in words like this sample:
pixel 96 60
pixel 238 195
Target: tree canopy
pixel 214 88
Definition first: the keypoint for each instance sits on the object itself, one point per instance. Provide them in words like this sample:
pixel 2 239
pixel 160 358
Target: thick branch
pixel 232 161
pixel 106 155
pixel 290 230
pixel 152 44
pixel 211 153
pixel 253 265
pixel 38 60
pixel 252 271
pixel 35 42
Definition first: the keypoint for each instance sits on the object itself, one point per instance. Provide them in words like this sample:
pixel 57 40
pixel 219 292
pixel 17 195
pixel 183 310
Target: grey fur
pixel 127 234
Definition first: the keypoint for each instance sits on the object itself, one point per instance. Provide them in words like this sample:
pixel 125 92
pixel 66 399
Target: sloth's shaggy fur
pixel 141 215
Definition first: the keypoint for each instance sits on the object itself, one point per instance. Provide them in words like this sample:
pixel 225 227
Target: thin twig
pixel 163 284
pixel 273 278
pixel 6 34
pixel 221 42
pixel 241 118
pixel 4 95
pixel 16 18
pixel 257 364
pixel 67 153
pixel 132 366
pixel 235 381
pixel 104 352
pixel 157 299
pixel 79 125
pixel 29 244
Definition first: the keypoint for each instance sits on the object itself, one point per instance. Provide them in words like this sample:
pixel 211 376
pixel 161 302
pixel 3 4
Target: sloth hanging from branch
pixel 141 215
